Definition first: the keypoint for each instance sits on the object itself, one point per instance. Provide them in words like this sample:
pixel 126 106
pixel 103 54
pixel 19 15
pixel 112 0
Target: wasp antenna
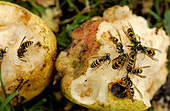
pixel 118 34
pixel 23 39
pixel 130 25
pixel 109 61
pixel 118 72
pixel 109 33
pixel 139 39
pixel 107 54
pixel 129 46
pixel 124 30
pixel 6 47
pixel 143 67
pixel 142 76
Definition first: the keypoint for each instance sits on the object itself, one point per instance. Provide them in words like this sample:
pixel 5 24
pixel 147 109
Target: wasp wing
pixel 152 57
pixel 140 94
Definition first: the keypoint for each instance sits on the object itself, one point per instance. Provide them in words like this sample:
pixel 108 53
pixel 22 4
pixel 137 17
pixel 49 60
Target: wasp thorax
pixel 151 52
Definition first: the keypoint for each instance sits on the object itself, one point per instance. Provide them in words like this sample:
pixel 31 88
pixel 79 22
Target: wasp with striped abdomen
pixel 131 61
pixel 119 45
pixel 2 53
pixel 150 52
pixel 97 62
pixel 23 48
pixel 131 35
pixel 130 66
pixel 118 62
pixel 127 83
pixel 137 71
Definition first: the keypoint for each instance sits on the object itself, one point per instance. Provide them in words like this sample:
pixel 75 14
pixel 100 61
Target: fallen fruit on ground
pixel 27 47
pixel 91 79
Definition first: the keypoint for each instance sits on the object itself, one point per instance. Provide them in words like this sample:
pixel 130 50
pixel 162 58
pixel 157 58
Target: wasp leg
pixel 22 60
pixel 95 68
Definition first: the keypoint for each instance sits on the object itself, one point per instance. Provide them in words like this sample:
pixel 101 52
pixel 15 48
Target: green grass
pixel 7 100
pixel 38 105
pixel 167 21
pixel 4 106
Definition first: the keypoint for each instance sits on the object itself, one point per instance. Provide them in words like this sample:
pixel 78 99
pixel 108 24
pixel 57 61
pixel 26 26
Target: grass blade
pixel 2 85
pixel 157 6
pixel 37 7
pixel 7 100
pixel 72 4
pixel 167 21
pixel 1 99
pixel 7 108
pixel 155 15
pixel 37 105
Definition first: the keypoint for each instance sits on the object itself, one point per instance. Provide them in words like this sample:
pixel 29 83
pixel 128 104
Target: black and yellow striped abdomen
pixel 26 44
pixel 23 48
pixel 95 63
pixel 130 64
pixel 132 91
pixel 120 61
pixel 99 61
pixel 137 71
pixel 116 64
pixel 130 33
